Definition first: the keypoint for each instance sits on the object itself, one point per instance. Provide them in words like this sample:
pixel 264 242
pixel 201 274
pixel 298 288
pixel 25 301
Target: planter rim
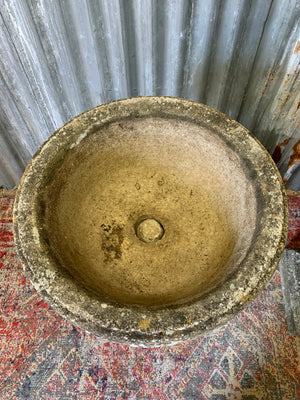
pixel 142 326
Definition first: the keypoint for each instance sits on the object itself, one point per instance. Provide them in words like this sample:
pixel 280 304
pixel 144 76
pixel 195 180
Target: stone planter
pixel 150 220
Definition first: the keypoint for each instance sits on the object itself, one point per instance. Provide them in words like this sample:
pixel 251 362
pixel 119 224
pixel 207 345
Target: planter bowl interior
pixel 150 220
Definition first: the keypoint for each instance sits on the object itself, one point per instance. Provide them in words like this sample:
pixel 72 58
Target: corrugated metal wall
pixel 59 58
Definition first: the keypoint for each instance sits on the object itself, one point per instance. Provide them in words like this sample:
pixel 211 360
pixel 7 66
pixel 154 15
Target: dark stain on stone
pixel 112 242
pixel 42 208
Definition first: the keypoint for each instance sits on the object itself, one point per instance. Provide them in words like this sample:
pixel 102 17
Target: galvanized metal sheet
pixel 60 58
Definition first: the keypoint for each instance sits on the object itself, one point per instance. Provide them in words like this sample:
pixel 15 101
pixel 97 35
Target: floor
pixel 43 356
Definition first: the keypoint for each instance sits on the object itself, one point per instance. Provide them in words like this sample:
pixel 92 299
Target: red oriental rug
pixel 44 357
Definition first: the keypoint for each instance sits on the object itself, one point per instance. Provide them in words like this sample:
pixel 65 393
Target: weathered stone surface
pixel 212 188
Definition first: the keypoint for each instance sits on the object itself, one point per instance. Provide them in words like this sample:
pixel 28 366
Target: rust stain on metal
pixel 295 157
pixel 277 154
pixel 285 100
pixel 269 79
pixel 297 48
pixel 287 79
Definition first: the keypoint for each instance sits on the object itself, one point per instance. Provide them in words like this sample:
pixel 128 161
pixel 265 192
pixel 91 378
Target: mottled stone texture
pixel 213 182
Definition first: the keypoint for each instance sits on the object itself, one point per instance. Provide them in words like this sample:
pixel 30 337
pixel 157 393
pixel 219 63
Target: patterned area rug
pixel 44 357
pixel 293 240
